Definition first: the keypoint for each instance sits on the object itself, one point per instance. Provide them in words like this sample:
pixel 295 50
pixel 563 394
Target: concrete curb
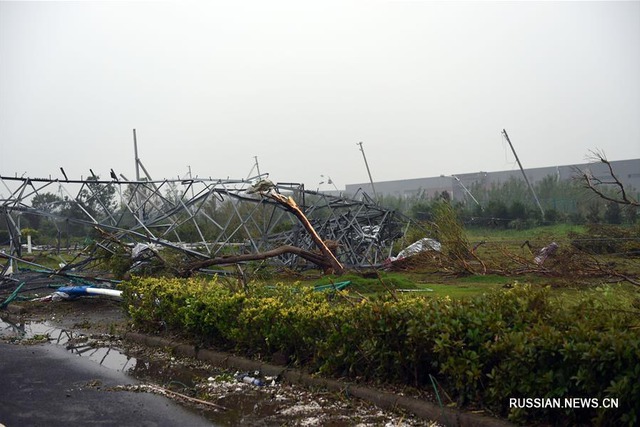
pixel 382 399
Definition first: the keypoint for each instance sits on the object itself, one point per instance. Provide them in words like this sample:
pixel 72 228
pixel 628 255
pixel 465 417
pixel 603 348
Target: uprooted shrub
pixel 516 343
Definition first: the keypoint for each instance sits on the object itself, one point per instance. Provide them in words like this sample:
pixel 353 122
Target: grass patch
pixel 466 286
pixel 373 283
pixel 488 279
pixel 460 287
pixel 457 290
pixel 558 231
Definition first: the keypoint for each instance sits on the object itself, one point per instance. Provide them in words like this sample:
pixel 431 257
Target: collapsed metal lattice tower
pixel 204 218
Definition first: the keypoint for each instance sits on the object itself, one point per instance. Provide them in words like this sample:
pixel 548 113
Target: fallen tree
pixel 329 263
pixel 315 258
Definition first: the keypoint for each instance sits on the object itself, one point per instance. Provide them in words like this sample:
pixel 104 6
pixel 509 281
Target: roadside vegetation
pixel 471 351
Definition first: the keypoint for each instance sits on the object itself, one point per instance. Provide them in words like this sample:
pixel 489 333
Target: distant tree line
pixel 511 205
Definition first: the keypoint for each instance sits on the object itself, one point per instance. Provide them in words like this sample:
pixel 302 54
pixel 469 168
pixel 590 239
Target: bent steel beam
pixel 203 218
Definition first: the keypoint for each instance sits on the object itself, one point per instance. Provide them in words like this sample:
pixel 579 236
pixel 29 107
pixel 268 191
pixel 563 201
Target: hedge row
pixel 516 343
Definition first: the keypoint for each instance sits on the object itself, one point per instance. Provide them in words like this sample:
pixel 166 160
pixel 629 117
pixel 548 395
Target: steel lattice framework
pixel 204 218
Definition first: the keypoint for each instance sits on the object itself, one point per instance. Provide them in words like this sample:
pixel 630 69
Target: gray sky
pixel 427 87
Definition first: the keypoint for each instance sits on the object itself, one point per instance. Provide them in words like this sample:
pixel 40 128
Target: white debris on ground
pixel 422 245
pixel 275 403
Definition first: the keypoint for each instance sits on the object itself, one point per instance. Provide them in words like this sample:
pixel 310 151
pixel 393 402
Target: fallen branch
pixel 169 393
pixel 625 278
pixel 234 259
pixel 611 272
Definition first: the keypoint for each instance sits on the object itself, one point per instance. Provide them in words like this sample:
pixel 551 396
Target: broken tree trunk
pixel 325 259
pixel 292 206
pixel 234 259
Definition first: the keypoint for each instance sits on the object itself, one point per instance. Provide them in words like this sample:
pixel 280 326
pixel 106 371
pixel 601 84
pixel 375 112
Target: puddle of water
pixel 100 350
pixel 77 343
pixel 270 405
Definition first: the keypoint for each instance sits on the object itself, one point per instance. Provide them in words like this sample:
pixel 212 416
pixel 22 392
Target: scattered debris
pixel 422 245
pixel 11 297
pixel 73 292
pixel 339 286
pixel 247 378
pixel 545 253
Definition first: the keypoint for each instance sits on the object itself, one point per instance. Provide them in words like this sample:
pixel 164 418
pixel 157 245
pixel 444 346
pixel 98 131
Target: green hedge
pixel 515 343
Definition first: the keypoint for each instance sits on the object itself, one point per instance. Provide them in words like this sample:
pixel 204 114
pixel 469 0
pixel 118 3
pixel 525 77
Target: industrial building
pixel 627 171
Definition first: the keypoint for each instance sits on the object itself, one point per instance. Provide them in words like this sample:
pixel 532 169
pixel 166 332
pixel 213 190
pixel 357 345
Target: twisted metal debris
pixel 203 218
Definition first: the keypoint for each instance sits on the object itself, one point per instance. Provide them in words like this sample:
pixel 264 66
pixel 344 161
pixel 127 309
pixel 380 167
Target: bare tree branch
pixel 595 184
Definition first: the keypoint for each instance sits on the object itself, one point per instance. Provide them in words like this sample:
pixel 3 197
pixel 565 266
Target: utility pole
pixel 137 159
pixel 467 190
pixel 139 162
pixel 139 213
pixel 191 179
pixel 375 196
pixel 504 132
pixel 257 165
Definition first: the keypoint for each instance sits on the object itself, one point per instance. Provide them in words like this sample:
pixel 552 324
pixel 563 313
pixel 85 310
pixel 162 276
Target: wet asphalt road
pixel 45 385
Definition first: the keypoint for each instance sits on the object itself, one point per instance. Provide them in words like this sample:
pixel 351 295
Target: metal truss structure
pixel 203 218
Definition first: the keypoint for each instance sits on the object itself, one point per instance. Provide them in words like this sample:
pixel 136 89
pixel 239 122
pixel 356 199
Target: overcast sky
pixel 426 86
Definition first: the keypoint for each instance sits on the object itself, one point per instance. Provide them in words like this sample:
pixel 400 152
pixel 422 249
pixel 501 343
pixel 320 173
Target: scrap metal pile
pixel 209 221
